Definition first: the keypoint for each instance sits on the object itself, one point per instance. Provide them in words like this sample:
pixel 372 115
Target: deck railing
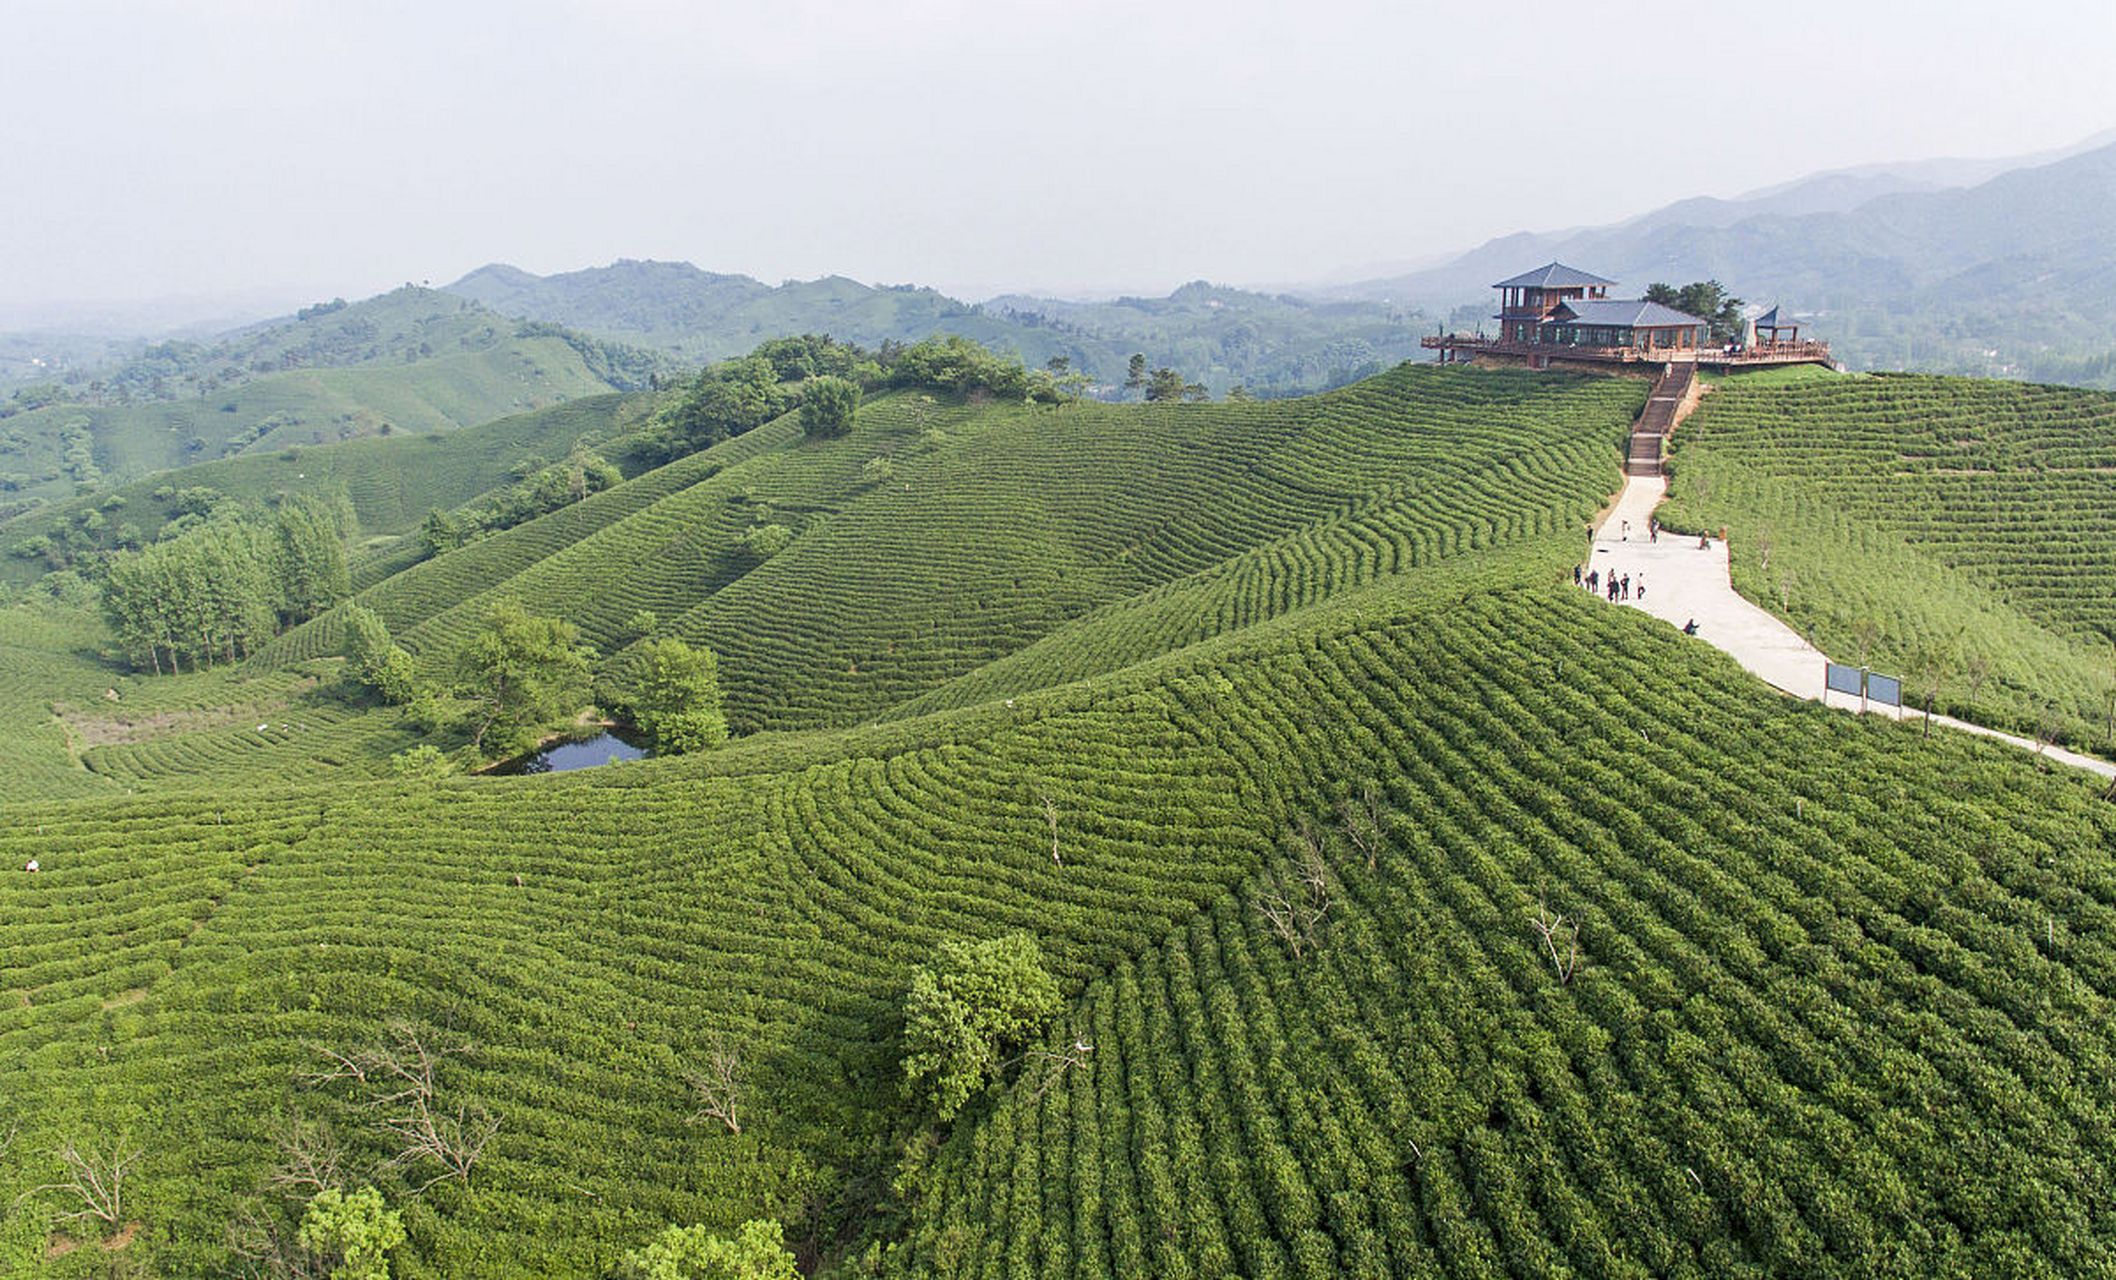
pixel 1753 353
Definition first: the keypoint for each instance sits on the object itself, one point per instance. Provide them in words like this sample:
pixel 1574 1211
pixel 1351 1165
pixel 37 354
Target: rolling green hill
pixel 1412 912
pixel 415 361
pixel 392 481
pixel 1969 522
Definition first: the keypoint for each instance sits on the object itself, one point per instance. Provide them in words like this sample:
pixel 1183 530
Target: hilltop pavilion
pixel 1563 314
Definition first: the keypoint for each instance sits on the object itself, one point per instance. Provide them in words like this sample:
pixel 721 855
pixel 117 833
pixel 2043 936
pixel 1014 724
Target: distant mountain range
pixel 1219 336
pixel 2009 276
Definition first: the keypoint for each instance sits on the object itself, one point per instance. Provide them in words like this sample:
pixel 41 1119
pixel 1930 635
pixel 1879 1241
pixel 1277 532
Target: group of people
pixel 1618 587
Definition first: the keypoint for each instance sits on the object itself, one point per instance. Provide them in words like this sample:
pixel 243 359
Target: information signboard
pixel 1844 679
pixel 1886 690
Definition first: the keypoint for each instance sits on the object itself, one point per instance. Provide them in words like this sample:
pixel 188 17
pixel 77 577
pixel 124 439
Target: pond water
pixel 604 746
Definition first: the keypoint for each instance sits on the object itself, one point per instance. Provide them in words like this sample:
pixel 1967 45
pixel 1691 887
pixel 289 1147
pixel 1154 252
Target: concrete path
pixel 1684 583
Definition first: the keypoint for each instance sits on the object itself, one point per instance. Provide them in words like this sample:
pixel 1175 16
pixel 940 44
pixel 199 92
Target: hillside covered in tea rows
pixel 1406 911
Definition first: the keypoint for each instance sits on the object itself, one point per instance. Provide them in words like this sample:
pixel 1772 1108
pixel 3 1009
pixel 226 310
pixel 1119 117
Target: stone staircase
pixel 1667 405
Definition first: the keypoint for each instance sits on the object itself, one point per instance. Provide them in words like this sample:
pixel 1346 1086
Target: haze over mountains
pixel 1885 261
pixel 1891 263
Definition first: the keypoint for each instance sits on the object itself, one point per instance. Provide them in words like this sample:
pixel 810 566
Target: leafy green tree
pixel 677 702
pixel 1135 372
pixel 757 1251
pixel 521 672
pixel 956 364
pixel 1165 386
pixel 1709 301
pixel 353 1234
pixel 312 534
pixel 767 540
pixel 423 761
pixel 828 405
pixel 644 623
pixel 375 660
pixel 973 1004
pixel 442 532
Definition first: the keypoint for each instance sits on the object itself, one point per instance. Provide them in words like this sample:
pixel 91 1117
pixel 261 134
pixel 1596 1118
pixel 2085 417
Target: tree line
pixel 219 589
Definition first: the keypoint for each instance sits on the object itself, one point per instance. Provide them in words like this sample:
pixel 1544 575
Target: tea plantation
pixel 1964 520
pixel 1412 912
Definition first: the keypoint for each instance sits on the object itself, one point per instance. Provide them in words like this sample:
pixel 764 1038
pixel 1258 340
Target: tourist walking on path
pixel 1576 575
pixel 1641 584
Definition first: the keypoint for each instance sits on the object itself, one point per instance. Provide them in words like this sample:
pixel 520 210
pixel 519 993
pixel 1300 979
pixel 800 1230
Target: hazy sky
pixel 157 148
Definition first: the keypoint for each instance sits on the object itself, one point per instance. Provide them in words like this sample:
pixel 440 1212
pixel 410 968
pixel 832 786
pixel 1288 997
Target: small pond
pixel 602 746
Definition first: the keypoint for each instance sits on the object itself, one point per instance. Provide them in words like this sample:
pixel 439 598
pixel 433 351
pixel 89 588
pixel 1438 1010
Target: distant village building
pixel 1560 315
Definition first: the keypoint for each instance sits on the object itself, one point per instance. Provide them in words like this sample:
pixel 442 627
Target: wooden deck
pixel 1462 347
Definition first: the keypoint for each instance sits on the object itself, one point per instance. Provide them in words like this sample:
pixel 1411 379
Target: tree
pixel 522 672
pixel 767 540
pixel 1709 301
pixel 963 1012
pixel 377 661
pixel 1165 385
pixel 677 702
pixel 828 406
pixel 353 1234
pixel 1931 665
pixel 1135 372
pixel 757 1251
pixel 312 568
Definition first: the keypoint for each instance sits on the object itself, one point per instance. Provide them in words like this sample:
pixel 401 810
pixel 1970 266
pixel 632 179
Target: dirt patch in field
pixel 123 1237
pixel 123 998
pixel 101 727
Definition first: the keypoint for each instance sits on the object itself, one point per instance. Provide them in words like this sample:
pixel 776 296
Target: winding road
pixel 1685 583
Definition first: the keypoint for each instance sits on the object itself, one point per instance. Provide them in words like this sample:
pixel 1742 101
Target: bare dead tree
pixel 717 1086
pixel 1295 910
pixel 1763 549
pixel 311 1158
pixel 397 1081
pixel 1057 1063
pixel 1365 821
pixel 1561 941
pixel 95 1180
pixel 1050 816
pixel 1785 591
pixel 265 1248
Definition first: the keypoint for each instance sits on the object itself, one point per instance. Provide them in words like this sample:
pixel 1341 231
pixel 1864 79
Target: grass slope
pixel 1970 518
pixel 392 482
pixel 297 408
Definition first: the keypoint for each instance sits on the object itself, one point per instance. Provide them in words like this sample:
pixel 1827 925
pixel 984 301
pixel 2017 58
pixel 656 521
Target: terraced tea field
pixel 1414 913
pixel 1010 548
pixel 1973 519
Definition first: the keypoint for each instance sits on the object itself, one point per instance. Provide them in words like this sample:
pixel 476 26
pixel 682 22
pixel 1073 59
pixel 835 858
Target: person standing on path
pixel 1641 584
pixel 1576 575
pixel 1627 531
